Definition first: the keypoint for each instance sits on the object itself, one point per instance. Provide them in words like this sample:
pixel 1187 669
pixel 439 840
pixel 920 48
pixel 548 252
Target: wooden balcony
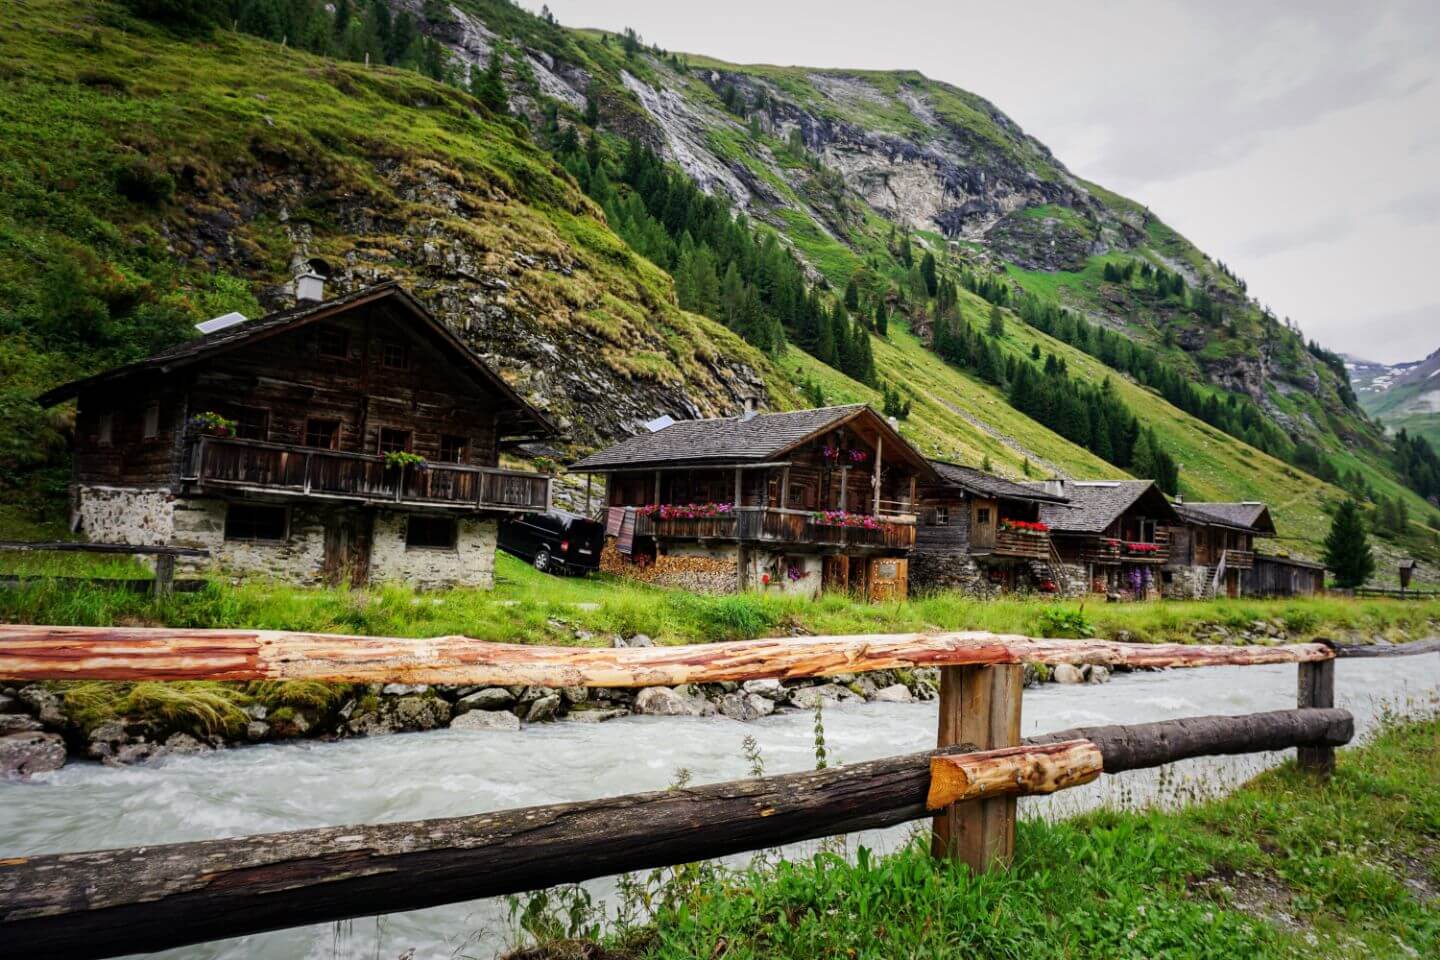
pixel 256 466
pixel 1239 560
pixel 1108 550
pixel 775 525
pixel 1022 544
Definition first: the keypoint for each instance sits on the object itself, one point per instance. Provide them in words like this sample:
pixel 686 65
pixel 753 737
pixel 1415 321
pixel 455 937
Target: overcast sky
pixel 1299 142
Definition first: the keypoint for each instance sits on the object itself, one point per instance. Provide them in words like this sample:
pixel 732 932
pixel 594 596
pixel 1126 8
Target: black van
pixel 555 542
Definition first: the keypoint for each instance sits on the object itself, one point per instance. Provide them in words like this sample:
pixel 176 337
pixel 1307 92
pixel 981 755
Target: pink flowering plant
pixel 858 456
pixel 842 518
pixel 685 511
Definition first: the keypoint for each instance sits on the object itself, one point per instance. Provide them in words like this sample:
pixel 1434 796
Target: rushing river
pixel 450 773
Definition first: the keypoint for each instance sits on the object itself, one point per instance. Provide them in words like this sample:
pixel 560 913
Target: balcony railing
pixel 262 467
pixel 775 525
pixel 1025 544
pixel 1113 550
pixel 1239 559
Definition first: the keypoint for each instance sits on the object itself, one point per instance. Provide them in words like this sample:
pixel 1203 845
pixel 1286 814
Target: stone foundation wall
pixel 1186 583
pixel 471 563
pixel 138 515
pixel 299 559
pixel 950 571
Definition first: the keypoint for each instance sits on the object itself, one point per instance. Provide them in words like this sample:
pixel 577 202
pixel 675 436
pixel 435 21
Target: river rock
pixel 543 709
pixel 746 706
pixel 421 713
pixel 104 740
pixel 639 640
pixel 256 730
pixel 1067 673
pixel 502 720
pixel 18 723
pixel 371 724
pixel 404 689
pixel 665 702
pixel 895 693
pixel 9 704
pixel 182 744
pixel 1099 674
pixel 575 694
pixel 595 713
pixel 45 704
pixel 807 697
pixel 770 689
pixel 490 698
pixel 257 711
pixel 22 755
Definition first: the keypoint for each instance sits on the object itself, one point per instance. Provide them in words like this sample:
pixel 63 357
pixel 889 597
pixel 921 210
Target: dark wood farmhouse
pixel 983 534
pixel 347 440
pixel 783 502
pixel 1277 576
pixel 1112 535
pixel 1213 546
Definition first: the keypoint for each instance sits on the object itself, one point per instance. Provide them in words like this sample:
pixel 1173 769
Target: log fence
pixel 114 902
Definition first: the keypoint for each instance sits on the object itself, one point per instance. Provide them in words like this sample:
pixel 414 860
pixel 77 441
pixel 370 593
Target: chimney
pixel 1055 486
pixel 749 413
pixel 1180 499
pixel 309 287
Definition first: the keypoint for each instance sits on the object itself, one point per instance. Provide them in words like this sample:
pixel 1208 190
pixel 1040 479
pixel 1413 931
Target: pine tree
pixel 488 86
pixel 882 319
pixel 1347 548
pixel 927 272
pixel 852 296
pixel 997 323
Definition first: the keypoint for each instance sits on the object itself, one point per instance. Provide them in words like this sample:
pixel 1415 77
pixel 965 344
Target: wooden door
pixel 889 578
pixel 835 574
pixel 347 547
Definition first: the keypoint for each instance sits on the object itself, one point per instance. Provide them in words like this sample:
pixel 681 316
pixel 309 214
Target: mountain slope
pixel 169 178
pixel 1403 397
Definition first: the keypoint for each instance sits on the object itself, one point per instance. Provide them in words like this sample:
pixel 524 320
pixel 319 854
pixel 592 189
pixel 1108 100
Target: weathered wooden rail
pixel 165 556
pixel 114 902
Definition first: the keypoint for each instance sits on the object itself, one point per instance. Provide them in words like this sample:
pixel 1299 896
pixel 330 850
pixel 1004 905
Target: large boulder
pixel 22 755
pixel 807 697
pixel 18 723
pixel 486 720
pixel 421 713
pixel 45 704
pixel 1067 673
pixel 543 709
pixel 746 706
pixel 595 712
pixel 895 693
pixel 490 698
pixel 667 702
pixel 771 688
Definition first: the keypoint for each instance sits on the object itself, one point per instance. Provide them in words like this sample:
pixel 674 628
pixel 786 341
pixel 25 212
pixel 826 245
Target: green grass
pixel 1285 867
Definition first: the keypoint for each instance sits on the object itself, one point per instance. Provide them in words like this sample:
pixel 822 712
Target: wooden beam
pixel 134 549
pixel 160 653
pixel 979 707
pixel 1412 649
pixel 879 449
pixel 115 902
pixel 1012 772
pixel 1316 688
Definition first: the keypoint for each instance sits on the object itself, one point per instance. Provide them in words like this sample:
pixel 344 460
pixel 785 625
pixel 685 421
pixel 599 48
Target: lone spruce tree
pixel 1347 549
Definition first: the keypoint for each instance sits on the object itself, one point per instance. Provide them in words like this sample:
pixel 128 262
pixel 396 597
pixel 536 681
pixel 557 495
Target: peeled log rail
pixel 113 902
pixel 1412 649
pixel 155 653
pixel 1012 771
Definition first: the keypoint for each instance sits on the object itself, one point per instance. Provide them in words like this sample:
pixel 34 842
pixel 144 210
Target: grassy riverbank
pixel 1284 867
pixel 528 607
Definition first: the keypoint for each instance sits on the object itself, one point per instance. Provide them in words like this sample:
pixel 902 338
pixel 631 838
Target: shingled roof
pixel 524 418
pixel 982 484
pixel 736 440
pixel 1094 505
pixel 1250 516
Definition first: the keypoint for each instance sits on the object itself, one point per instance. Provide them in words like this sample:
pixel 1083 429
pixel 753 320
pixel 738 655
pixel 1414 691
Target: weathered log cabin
pixel 342 441
pixel 1277 576
pixel 983 534
pixel 783 502
pixel 1111 535
pixel 1212 547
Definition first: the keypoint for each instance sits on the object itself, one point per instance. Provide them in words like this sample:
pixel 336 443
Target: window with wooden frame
pixel 393 440
pixel 430 533
pixel 454 448
pixel 152 421
pixel 253 521
pixel 395 355
pixel 942 517
pixel 332 343
pixel 105 428
pixel 322 433
pixel 252 423
pixel 982 515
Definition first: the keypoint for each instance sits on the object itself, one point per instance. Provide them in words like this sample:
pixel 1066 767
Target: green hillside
pixel 154 178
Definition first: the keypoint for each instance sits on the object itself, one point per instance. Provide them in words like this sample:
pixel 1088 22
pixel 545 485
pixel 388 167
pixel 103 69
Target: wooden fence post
pixel 980 706
pixel 1317 689
pixel 164 575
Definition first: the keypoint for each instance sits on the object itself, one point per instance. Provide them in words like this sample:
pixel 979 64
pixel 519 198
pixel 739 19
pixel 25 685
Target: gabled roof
pixel 737 441
pixel 1094 505
pixel 982 484
pixel 1251 516
pixel 524 419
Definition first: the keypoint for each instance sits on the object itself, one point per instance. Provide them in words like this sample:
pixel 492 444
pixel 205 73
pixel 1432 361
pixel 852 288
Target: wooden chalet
pixel 795 502
pixel 984 534
pixel 1213 545
pixel 348 439
pixel 1277 576
pixel 1113 535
